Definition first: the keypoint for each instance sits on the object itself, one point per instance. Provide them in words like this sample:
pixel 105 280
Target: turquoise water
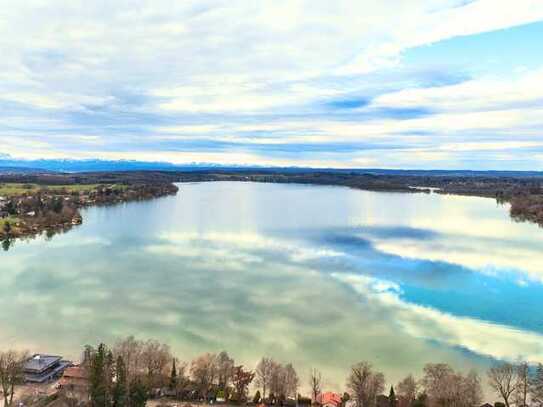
pixel 318 276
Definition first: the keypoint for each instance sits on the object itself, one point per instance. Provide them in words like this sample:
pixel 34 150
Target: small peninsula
pixel 29 209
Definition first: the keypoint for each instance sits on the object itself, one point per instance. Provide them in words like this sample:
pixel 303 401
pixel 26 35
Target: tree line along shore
pixel 29 209
pixel 136 373
pixel 523 193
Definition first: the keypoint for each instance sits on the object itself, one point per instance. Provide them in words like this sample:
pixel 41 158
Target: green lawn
pixel 14 189
pixel 11 189
pixel 71 188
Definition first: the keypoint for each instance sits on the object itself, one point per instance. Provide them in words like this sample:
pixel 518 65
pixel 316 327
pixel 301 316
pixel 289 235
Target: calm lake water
pixel 318 276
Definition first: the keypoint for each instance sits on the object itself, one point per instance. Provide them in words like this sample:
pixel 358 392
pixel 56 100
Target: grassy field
pixel 14 189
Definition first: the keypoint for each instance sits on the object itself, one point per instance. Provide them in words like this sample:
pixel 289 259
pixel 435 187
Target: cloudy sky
pixel 365 83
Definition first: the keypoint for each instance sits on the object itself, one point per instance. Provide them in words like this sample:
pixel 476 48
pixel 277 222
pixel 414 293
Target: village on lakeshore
pixel 136 373
pixel 28 209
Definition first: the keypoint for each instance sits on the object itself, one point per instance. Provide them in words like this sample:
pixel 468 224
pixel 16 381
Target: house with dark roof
pixel 44 368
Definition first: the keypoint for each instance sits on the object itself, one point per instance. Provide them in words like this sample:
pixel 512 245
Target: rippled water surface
pixel 320 276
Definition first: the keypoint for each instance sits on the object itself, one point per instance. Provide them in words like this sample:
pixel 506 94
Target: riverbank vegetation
pixel 132 371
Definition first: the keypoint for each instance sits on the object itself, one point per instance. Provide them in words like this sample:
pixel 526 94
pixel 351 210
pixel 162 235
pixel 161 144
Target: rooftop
pixel 74 376
pixel 38 363
pixel 75 372
pixel 42 368
pixel 329 398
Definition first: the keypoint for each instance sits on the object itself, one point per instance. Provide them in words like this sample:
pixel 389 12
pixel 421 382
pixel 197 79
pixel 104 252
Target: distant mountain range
pixel 93 165
pixel 10 164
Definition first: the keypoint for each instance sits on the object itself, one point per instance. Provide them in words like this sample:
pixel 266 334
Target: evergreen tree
pixel 257 397
pixel 6 244
pixel 173 377
pixel 109 373
pixel 11 208
pixel 97 378
pixel 392 402
pixel 120 396
pixel 138 393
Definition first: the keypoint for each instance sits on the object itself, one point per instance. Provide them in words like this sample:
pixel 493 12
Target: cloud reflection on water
pixel 314 275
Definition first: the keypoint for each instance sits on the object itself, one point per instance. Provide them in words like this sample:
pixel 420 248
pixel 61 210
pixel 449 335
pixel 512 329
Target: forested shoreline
pixel 30 209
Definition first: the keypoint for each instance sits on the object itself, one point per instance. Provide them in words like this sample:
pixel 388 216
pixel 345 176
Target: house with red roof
pixel 329 399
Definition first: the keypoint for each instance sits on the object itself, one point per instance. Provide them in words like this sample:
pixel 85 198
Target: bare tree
pixel 182 379
pixel 291 381
pixel 264 371
pixel 445 387
pixel 365 384
pixel 358 381
pixel 11 373
pixel 283 380
pixel 155 357
pixel 225 369
pixel 502 378
pixel 437 382
pixel 315 382
pixel 130 350
pixel 523 384
pixel 277 379
pixel 407 389
pixel 471 393
pixel 204 372
pixel 241 380
pixel 377 386
pixel 536 387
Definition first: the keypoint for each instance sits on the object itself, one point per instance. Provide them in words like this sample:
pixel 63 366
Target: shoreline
pixel 524 195
pixel 83 190
pixel 34 209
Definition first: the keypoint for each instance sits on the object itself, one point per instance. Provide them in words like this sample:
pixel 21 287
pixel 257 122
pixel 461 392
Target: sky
pixel 421 84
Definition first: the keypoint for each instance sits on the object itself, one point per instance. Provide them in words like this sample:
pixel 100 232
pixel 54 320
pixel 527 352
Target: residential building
pixel 329 399
pixel 74 377
pixel 44 368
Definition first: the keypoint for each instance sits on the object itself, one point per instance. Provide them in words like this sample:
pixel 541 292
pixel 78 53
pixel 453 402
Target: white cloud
pixel 481 337
pixel 167 48
pixel 236 246
pixel 91 67
pixel 496 246
pixel 482 94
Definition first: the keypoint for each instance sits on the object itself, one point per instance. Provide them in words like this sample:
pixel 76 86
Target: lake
pixel 318 276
